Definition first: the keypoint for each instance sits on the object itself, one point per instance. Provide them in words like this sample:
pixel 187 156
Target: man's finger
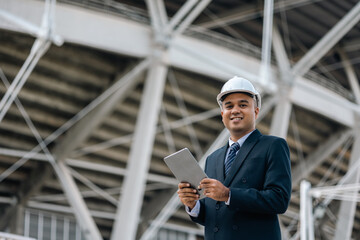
pixel 205 180
pixel 188 190
pixel 184 185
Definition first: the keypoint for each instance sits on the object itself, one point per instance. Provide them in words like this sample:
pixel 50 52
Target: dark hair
pixel 223 97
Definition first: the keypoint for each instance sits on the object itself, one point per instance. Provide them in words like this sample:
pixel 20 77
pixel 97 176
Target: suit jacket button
pixel 216 229
pixel 217 206
pixel 243 180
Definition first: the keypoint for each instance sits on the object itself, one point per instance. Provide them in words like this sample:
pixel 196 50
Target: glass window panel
pixel 59 229
pixel 47 228
pixel 72 230
pixel 33 228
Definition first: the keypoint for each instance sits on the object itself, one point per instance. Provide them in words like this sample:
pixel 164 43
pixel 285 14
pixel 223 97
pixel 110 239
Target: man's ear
pixel 256 112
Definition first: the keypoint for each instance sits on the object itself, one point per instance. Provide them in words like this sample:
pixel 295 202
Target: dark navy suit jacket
pixel 260 185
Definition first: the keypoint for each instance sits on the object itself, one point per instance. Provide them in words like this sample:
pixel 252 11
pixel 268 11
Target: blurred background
pixel 94 94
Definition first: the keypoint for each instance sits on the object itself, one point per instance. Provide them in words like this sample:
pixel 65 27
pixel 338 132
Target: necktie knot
pixel 231 156
pixel 235 147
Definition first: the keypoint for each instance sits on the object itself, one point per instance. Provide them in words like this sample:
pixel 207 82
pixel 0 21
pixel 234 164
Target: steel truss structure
pixel 95 93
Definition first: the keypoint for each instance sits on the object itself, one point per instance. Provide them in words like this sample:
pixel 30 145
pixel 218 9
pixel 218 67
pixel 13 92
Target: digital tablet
pixel 186 169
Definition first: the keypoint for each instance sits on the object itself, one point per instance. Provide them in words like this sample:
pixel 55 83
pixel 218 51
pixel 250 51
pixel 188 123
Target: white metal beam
pixel 323 101
pixel 83 217
pixel 328 41
pixel 41 45
pixel 244 14
pixel 128 138
pixel 153 208
pixel 209 59
pixel 87 224
pixel 180 14
pixel 81 212
pixel 281 116
pixel 191 17
pixel 69 210
pixel 39 48
pixel 281 55
pixel 158 15
pixel 144 63
pixel 184 113
pixel 33 182
pixel 127 33
pixel 89 166
pixel 83 128
pixel 97 190
pixel 344 192
pixel 14 237
pixel 266 107
pixel 47 28
pixel 167 132
pixel 266 42
pixel 95 27
pixel 26 26
pixel 306 220
pixel 346 215
pixel 118 171
pixel 128 212
pixel 173 204
pixel 340 187
pixel 319 155
pixel 351 75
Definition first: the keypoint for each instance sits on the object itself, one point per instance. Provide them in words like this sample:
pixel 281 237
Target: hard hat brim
pixel 220 96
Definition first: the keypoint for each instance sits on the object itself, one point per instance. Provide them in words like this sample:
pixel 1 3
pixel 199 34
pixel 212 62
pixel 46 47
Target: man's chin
pixel 237 131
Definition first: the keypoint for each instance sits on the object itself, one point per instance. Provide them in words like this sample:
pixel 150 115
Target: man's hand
pixel 214 189
pixel 188 195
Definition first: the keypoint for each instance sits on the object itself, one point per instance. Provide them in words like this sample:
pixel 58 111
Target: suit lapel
pixel 242 154
pixel 220 163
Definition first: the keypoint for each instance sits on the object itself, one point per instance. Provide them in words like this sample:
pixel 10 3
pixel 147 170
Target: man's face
pixel 239 114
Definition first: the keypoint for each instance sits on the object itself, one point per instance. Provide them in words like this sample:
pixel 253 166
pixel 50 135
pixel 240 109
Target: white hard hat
pixel 238 84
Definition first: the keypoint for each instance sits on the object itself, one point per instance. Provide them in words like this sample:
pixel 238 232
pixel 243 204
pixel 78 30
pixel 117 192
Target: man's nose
pixel 236 109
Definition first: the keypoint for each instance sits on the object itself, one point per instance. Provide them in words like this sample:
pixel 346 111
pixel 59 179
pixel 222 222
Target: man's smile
pixel 237 118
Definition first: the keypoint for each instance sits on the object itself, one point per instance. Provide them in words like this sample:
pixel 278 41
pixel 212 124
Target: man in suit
pixel 249 183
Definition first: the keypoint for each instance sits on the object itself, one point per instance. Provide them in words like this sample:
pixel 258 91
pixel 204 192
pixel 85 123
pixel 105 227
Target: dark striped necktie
pixel 231 156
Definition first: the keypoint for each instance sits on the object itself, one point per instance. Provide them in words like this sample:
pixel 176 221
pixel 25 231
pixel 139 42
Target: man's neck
pixel 240 140
pixel 235 138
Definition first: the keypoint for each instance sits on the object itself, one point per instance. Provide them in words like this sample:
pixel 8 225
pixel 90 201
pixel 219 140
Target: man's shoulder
pixel 256 135
pixel 272 138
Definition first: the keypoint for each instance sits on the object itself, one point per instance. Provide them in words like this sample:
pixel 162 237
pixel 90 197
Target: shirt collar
pixel 241 140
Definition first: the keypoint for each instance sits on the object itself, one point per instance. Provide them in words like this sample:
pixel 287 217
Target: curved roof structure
pixel 94 94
